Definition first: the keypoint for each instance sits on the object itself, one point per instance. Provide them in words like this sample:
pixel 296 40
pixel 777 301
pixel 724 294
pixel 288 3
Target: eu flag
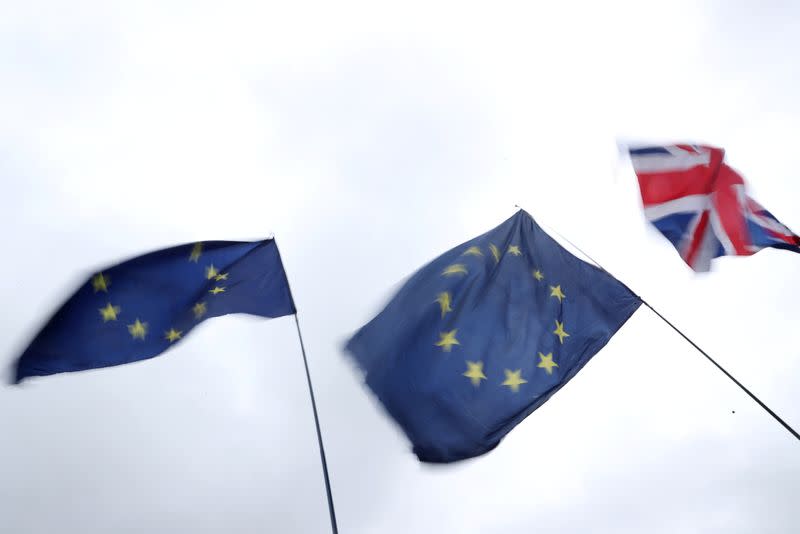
pixel 140 308
pixel 484 334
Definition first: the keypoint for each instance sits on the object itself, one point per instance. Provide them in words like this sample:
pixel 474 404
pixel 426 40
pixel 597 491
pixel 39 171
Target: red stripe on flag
pixel 788 239
pixel 658 187
pixel 730 210
pixel 697 239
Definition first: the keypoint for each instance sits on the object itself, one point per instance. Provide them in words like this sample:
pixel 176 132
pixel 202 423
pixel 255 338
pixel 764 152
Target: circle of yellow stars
pixel 139 329
pixel 447 340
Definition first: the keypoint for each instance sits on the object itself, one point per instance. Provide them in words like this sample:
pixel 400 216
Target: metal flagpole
pixel 334 528
pixel 718 366
pixel 766 408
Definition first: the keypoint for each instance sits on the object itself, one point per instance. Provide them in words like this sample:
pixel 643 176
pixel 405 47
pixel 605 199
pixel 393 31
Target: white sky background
pixel 370 139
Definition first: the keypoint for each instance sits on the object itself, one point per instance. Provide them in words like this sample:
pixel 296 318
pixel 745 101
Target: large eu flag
pixel 484 334
pixel 140 308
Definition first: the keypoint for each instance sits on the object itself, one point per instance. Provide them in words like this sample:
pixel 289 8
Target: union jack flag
pixel 700 204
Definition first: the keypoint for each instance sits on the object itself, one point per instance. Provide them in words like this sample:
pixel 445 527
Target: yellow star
pixel 514 250
pixel 444 302
pixel 197 249
pixel 546 362
pixel 221 276
pixel 199 310
pixel 109 313
pixel 559 331
pixel 514 380
pixel 100 282
pixel 456 268
pixel 473 251
pixel 173 335
pixel 138 329
pixel 555 291
pixel 211 272
pixel 495 252
pixel 447 340
pixel 475 372
pixel 538 275
pixel 217 290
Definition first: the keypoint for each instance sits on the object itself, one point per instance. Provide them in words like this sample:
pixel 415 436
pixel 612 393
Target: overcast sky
pixel 370 139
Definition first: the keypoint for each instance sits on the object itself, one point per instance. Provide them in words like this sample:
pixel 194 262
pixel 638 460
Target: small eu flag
pixel 138 309
pixel 484 334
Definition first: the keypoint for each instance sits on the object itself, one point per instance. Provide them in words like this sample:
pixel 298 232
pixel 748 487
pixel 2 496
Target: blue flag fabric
pixel 138 309
pixel 484 334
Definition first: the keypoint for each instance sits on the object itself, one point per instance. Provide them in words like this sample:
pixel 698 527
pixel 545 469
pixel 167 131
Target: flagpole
pixel 334 528
pixel 718 366
pixel 766 408
pixel 331 511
